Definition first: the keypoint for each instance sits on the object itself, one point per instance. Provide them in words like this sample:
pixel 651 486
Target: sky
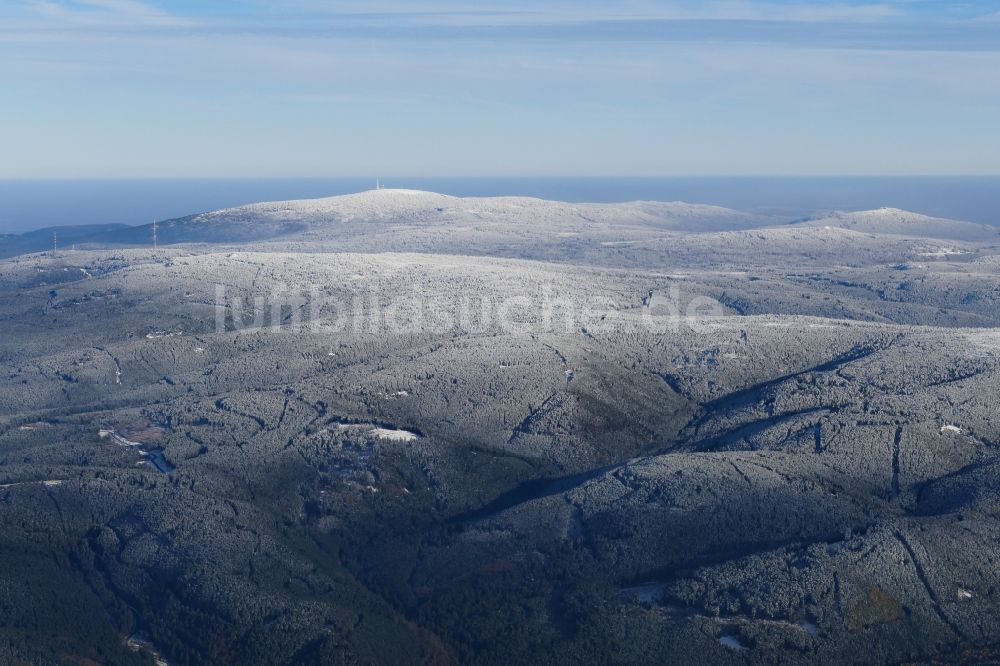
pixel 219 88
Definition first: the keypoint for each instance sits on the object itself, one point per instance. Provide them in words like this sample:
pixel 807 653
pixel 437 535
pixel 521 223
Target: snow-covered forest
pixel 400 427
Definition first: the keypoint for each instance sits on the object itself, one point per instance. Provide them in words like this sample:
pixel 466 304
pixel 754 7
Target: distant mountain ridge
pixel 42 239
pixel 896 222
pixel 313 218
pixel 401 220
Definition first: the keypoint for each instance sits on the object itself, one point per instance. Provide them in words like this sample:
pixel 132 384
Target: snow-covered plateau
pixel 403 427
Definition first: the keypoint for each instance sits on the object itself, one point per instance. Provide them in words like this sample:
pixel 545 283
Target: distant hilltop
pixel 414 220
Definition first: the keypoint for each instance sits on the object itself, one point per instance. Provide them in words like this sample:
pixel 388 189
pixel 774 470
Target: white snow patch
pixel 835 548
pixel 732 642
pixel 140 642
pixel 395 435
pixel 943 252
pixel 156 335
pixel 987 343
pixel 951 429
pixel 50 483
pixel 964 594
pixel 389 434
pixel 622 243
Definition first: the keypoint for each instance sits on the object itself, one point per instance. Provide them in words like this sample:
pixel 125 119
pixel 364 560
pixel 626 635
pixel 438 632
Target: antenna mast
pixel 55 243
pixel 154 233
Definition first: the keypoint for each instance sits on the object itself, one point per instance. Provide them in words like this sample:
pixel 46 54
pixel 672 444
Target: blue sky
pixel 161 88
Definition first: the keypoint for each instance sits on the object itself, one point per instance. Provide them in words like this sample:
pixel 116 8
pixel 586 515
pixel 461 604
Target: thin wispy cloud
pixel 843 26
pixel 648 87
pixel 450 13
pixel 90 13
pixel 520 11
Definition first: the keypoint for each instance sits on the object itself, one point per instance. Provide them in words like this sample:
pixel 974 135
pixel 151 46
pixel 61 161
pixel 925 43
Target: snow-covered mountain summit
pixel 378 211
pixel 429 208
pixel 896 222
pixel 639 233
